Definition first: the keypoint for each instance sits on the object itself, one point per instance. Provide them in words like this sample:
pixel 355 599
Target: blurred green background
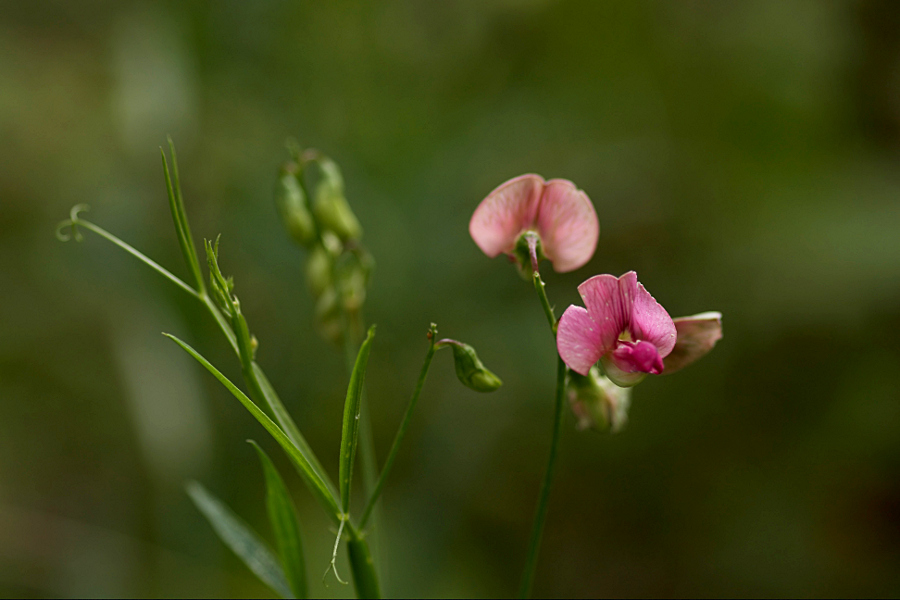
pixel 742 157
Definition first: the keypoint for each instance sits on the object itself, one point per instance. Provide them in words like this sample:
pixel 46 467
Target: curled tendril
pixel 72 222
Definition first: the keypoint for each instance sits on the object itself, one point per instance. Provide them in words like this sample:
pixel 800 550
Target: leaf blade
pixel 350 428
pixel 283 518
pixel 316 485
pixel 240 538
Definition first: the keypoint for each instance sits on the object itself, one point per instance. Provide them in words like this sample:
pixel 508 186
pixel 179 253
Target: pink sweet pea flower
pixel 629 333
pixel 623 326
pixel 559 213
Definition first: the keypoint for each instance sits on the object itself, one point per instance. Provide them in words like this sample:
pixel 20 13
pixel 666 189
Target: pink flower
pixel 561 215
pixel 629 333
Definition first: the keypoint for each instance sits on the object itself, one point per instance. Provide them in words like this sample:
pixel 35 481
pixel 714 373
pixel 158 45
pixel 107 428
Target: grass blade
pixel 316 485
pixel 283 518
pixel 350 430
pixel 242 540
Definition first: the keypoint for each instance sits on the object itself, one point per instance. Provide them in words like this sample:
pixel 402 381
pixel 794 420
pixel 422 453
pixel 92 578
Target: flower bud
pixel 597 402
pixel 291 201
pixel 332 211
pixel 470 370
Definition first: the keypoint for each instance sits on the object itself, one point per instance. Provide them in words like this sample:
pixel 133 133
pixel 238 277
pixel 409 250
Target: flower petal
pixel 568 225
pixel 651 322
pixel 505 213
pixel 696 336
pixel 578 340
pixel 609 301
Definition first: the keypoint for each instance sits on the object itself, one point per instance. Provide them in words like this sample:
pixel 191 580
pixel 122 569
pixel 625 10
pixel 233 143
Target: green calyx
pixel 528 253
pixel 597 402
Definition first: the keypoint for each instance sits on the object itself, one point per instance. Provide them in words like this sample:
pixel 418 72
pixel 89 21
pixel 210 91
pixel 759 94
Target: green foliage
pixel 242 540
pixel 283 517
pixel 320 490
pixel 350 429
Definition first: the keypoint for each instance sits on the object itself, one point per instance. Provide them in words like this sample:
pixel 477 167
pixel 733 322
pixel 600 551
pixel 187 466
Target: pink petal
pixel 505 213
pixel 696 336
pixel 651 322
pixel 609 301
pixel 578 340
pixel 568 225
pixel 640 357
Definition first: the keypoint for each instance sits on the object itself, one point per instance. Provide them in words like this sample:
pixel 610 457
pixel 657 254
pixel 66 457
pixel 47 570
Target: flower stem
pixel 545 303
pixel 407 417
pixel 540 516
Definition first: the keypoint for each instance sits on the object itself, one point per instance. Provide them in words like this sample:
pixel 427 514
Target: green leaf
pixel 283 518
pixel 242 540
pixel 284 420
pixel 350 430
pixel 314 482
pixel 179 216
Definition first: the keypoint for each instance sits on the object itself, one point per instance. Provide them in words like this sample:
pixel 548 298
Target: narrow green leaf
pixel 284 420
pixel 283 517
pixel 242 540
pixel 316 485
pixel 350 430
pixel 181 229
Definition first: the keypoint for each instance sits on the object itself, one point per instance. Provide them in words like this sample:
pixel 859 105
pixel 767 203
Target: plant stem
pixel 545 302
pixel 562 371
pixel 543 500
pixel 401 431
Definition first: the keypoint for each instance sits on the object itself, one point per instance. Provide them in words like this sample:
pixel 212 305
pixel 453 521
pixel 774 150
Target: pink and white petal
pixel 568 225
pixel 696 336
pixel 619 376
pixel 651 322
pixel 505 213
pixel 609 301
pixel 578 340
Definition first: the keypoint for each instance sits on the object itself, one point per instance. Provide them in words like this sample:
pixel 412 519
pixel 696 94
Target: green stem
pixel 404 425
pixel 545 302
pixel 365 576
pixel 139 255
pixel 260 389
pixel 540 516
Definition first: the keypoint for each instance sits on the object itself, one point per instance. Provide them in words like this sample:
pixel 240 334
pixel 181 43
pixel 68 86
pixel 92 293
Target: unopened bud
pixel 469 368
pixel 597 402
pixel 332 211
pixel 292 205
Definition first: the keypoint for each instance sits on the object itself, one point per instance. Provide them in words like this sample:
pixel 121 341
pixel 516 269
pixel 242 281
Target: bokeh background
pixel 743 157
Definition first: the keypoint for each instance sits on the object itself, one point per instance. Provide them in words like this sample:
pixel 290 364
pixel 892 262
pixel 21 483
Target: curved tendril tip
pixel 72 222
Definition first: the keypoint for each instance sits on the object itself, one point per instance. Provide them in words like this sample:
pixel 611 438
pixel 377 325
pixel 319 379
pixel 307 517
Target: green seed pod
pixel 329 321
pixel 597 402
pixel 331 209
pixel 470 370
pixel 319 265
pixel 292 205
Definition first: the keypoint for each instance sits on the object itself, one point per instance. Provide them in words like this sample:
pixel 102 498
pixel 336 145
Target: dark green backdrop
pixel 742 157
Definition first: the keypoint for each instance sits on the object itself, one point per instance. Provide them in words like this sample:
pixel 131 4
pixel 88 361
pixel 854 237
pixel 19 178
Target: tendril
pixel 72 222
pixel 333 565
